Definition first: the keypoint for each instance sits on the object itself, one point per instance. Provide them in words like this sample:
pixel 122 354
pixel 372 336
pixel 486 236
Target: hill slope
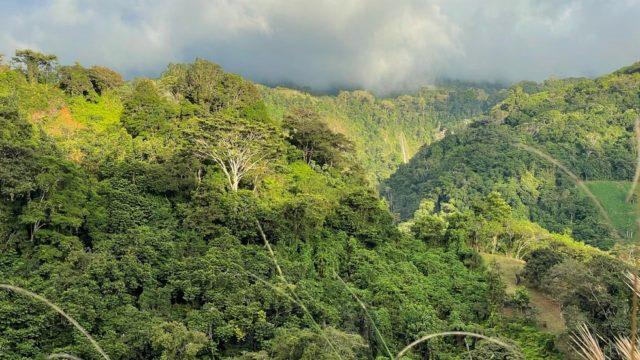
pixel 547 312
pixel 388 131
pixel 584 124
pixel 173 218
pixel 623 214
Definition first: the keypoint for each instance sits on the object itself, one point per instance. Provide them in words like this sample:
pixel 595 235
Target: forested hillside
pixel 582 124
pixel 200 216
pixel 174 218
pixel 559 156
pixel 387 132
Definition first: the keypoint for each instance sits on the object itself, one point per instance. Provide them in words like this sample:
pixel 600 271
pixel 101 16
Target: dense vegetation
pixel 585 125
pixel 147 210
pixel 200 216
pixel 525 168
pixel 387 132
pixel 588 284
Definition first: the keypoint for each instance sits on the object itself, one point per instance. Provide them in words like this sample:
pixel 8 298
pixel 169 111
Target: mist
pixel 383 46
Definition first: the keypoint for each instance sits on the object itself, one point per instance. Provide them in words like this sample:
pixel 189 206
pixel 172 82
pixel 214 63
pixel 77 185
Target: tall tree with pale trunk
pixel 239 148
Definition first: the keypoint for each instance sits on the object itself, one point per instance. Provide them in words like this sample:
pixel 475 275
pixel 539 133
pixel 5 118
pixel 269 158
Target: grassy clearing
pixel 612 195
pixel 548 314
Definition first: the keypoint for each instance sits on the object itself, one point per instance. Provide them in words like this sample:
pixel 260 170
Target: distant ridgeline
pixel 585 125
pixel 387 132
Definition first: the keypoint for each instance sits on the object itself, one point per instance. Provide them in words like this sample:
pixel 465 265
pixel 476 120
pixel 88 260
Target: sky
pixel 380 45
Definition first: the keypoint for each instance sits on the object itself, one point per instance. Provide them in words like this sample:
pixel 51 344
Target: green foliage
pixel 309 345
pixel 361 215
pixel 387 132
pixel 490 226
pixel 539 262
pixel 33 98
pixel 18 151
pixel 38 67
pixel 75 81
pixel 588 284
pixel 78 81
pixel 102 115
pixel 146 111
pixel 239 147
pixel 205 84
pixel 123 223
pixel 534 344
pixel 586 125
pixel 316 141
pixel 104 79
pixel 520 299
pixel 429 228
pixel 177 342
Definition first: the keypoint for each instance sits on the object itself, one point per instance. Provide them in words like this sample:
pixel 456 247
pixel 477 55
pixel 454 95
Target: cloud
pixel 383 45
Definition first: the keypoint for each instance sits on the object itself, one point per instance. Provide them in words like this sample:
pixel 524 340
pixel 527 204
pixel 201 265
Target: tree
pixel 594 290
pixel 492 213
pixel 18 165
pixel 364 216
pixel 239 148
pixel 177 342
pixel 318 143
pixel 521 299
pixel 45 191
pixel 104 79
pixel 493 207
pixel 489 350
pixel 38 66
pixel 428 226
pixel 522 236
pixel 75 81
pixel 539 263
pixel 430 229
pixel 146 111
pixel 200 83
pixel 303 344
pixel 57 202
pixel 205 83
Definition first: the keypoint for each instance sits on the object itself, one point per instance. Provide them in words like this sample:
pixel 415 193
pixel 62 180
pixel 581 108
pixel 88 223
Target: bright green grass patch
pixel 549 315
pixel 612 195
